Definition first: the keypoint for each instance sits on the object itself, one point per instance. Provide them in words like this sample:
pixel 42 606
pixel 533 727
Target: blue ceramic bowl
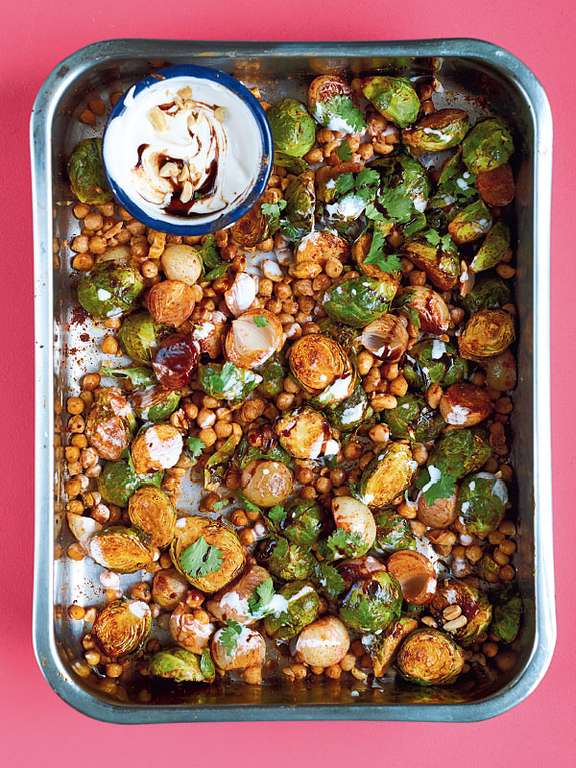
pixel 237 209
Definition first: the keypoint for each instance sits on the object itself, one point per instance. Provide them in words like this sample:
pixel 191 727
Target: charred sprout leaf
pixel 216 466
pixel 139 377
pixel 155 403
pixel 352 412
pixel 297 606
pixel 227 381
pixel 273 213
pixel 328 579
pixel 182 665
pixel 294 165
pixel 507 616
pixel 200 558
pixel 207 666
pixel 119 480
pixel 495 246
pixel 482 502
pixel 139 337
pixel 246 454
pixel 260 598
pixel 272 373
pixel 285 559
pixel 359 301
pixel 487 293
pixel 393 532
pixel 440 130
pixel 86 173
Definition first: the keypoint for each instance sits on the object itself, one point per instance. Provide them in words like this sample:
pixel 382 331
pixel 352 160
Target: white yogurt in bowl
pixel 188 150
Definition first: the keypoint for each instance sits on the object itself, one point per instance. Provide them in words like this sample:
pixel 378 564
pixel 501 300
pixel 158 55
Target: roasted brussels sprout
pixel 359 300
pixel 413 419
pixel 501 372
pixel 155 403
pixel 488 145
pixel 497 187
pixel 393 532
pixel 157 447
pixel 207 552
pixel 387 338
pixel 169 588
pixel 352 412
pixel 319 246
pixel 110 423
pixel 494 248
pixel 284 559
pixel 183 666
pixel 439 512
pixel 372 604
pixel 387 475
pixel 217 465
pixel 260 443
pixel 438 131
pixel 122 627
pixel 474 606
pixel 439 261
pixel 415 574
pixel 487 293
pixel 227 382
pixel 238 601
pixel 151 511
pixel 266 483
pixel 460 452
pixel 465 405
pixel 434 362
pixel 355 529
pixel 323 643
pixel 110 290
pixel 253 338
pixel 300 199
pixel 470 223
pixel 302 607
pixel 382 647
pixel 320 365
pixel 358 568
pixel 120 549
pixel 306 434
pixel 119 480
pixel 507 617
pixel 86 173
pixel 487 334
pixel 190 631
pixel 301 523
pixel 175 359
pixel 139 337
pixel 170 302
pixel 429 657
pixel 293 129
pixel 273 374
pixel 393 97
pixel 253 227
pixel 182 262
pixel 330 103
pixel 238 647
pixel 482 502
pixel 425 308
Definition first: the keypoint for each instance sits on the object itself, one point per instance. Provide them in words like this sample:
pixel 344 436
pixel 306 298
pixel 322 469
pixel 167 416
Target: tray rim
pixel 47 656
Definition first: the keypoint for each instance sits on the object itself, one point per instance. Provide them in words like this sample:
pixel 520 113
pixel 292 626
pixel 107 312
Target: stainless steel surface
pixel 473 71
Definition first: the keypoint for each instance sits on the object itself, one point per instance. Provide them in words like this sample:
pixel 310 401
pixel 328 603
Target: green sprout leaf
pixel 139 376
pixel 215 273
pixel 201 558
pixel 229 636
pixel 261 597
pixel 218 506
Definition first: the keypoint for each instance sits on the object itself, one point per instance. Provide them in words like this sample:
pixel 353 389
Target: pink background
pixel 35 726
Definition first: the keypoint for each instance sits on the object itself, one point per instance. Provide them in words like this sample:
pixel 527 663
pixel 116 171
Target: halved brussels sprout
pixel 355 529
pixel 317 361
pixel 352 412
pixel 434 362
pixel 372 604
pixel 507 617
pixel 488 145
pixel 137 375
pixel 487 333
pixel 110 423
pixel 253 338
pixel 457 453
pixel 501 372
pixel 438 131
pixel 169 588
pixel 393 532
pixel 207 552
pixel 330 103
pixel 442 266
pixel 465 405
pixel 482 502
pixel 139 337
pixel 387 475
pixel 487 293
pixel 86 173
pixel 387 338
pixel 319 246
pixel 415 574
pixel 495 246
pixel 170 302
pixel 183 666
pixel 110 289
pixel 300 198
pixel 359 568
pixel 122 627
pixel 216 467
pixel 473 603
pixel 227 382
pixel 155 403
pixel 429 657
pixel 188 630
pixel 253 227
pixel 273 374
pixel 413 419
pixel 120 549
pixel 293 130
pixel 382 647
pixel 405 190
pixel 233 603
pixel 306 434
pixel 238 647
pixel 266 483
pixel 302 522
pixel 157 447
pixel 151 511
pixel 470 223
pixel 426 307
pixel 182 262
pixel 439 512
pixel 359 300
pixel 284 559
pixel 323 643
pixel 393 97
pixel 497 187
pixel 175 359
pixel 302 607
pixel 119 480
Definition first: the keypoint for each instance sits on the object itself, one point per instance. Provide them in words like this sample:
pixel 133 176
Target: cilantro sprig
pixel 328 579
pixel 441 488
pixel 387 262
pixel 260 599
pixel 200 558
pixel 230 635
pixel 273 214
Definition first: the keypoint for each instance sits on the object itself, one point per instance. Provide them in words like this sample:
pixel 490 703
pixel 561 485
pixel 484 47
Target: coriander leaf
pixel 377 256
pixel 398 206
pixel 432 237
pixel 367 178
pixel 289 230
pixel 229 636
pixel 218 506
pixel 218 271
pixel 248 504
pixel 276 514
pixel 344 152
pixel 260 598
pixel 447 244
pixel 260 321
pixel 344 183
pixel 200 558
pixel 341 106
pixel 272 212
pixel 442 488
pixel 209 253
pixel 372 213
pixel 195 446
pixel 342 542
pixel 328 579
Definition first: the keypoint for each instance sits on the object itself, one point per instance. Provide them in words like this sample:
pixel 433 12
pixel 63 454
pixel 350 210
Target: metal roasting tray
pixel 475 74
